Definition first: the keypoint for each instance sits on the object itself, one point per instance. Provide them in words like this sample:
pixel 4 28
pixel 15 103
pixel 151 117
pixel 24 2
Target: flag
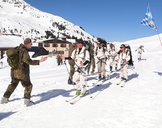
pixel 148 19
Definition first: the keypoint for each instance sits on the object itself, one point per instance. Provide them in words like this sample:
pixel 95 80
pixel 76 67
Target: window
pixel 54 45
pixel 40 44
pixel 59 52
pixel 63 45
pixel 46 45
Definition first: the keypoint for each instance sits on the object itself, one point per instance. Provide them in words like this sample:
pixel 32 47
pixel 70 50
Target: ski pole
pixel 89 91
pixel 80 69
pixel 133 70
pixel 68 72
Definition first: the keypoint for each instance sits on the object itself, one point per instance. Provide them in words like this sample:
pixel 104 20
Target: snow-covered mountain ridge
pixel 19 18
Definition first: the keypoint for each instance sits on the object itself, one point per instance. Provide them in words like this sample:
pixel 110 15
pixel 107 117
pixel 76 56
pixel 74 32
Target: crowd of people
pixel 83 60
pixel 105 56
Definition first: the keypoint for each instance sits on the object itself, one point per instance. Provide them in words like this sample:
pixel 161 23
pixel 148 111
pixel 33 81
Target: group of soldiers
pixel 104 55
pixel 84 56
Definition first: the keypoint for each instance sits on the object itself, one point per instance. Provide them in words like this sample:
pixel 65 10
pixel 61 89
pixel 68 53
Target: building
pixel 2 51
pixel 7 42
pixel 57 46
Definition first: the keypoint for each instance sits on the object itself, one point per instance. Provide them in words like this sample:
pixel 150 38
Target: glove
pixel 86 62
pixel 124 61
pixel 43 59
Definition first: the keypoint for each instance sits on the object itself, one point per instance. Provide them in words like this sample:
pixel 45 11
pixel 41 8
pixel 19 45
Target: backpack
pixel 87 45
pixel 84 53
pixel 13 57
pixel 103 48
pixel 130 62
pixel 103 42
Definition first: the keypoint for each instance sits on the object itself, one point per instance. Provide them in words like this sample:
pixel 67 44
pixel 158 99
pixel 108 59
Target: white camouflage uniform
pixel 112 60
pixel 101 54
pixel 80 76
pixel 124 58
pixel 140 50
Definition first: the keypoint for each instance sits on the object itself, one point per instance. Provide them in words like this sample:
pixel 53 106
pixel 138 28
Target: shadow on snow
pixel 52 94
pixel 4 115
pixel 158 73
pixel 132 76
pixel 96 88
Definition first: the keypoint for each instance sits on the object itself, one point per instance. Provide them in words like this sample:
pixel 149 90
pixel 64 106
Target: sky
pixel 113 20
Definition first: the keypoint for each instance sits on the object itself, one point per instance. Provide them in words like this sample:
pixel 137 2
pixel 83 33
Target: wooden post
pixel 1 54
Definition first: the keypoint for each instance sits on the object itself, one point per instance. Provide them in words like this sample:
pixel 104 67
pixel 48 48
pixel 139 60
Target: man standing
pixel 124 58
pixel 92 64
pixel 140 50
pixel 101 54
pixel 22 73
pixel 72 64
pixel 82 58
pixel 111 59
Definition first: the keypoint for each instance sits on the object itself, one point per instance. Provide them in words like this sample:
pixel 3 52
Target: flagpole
pixel 159 36
pixel 148 21
pixel 157 30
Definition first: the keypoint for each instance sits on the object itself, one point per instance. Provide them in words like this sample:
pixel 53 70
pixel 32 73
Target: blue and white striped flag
pixel 148 19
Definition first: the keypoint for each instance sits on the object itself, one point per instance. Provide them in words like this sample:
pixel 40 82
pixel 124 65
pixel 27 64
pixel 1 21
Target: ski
pixel 92 74
pixel 75 100
pixel 72 102
pixel 72 98
pixel 121 83
pixel 97 83
pixel 93 96
pixel 101 82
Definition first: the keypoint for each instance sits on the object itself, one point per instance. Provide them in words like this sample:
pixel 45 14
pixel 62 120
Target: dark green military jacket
pixel 23 70
pixel 71 49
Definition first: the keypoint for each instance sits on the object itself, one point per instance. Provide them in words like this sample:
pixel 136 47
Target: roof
pixel 10 41
pixel 4 49
pixel 56 41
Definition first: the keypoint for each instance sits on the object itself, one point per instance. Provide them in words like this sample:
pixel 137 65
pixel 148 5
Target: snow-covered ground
pixel 137 105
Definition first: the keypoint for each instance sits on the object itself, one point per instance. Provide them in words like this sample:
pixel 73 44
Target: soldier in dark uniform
pixel 22 74
pixel 92 58
pixel 71 63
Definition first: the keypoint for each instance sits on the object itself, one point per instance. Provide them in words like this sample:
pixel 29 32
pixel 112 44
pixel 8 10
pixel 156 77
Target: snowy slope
pixel 19 18
pixel 152 44
pixel 137 105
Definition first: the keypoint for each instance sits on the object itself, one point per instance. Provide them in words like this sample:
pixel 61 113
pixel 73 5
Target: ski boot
pixel 99 77
pixel 122 81
pixel 82 94
pixel 103 78
pixel 70 81
pixel 4 100
pixel 108 77
pixel 28 102
pixel 78 92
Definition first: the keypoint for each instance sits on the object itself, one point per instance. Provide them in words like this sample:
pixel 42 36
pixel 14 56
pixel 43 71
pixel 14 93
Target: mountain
pixel 21 19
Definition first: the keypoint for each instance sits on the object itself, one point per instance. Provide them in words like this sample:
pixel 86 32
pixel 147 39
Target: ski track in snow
pixel 137 105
